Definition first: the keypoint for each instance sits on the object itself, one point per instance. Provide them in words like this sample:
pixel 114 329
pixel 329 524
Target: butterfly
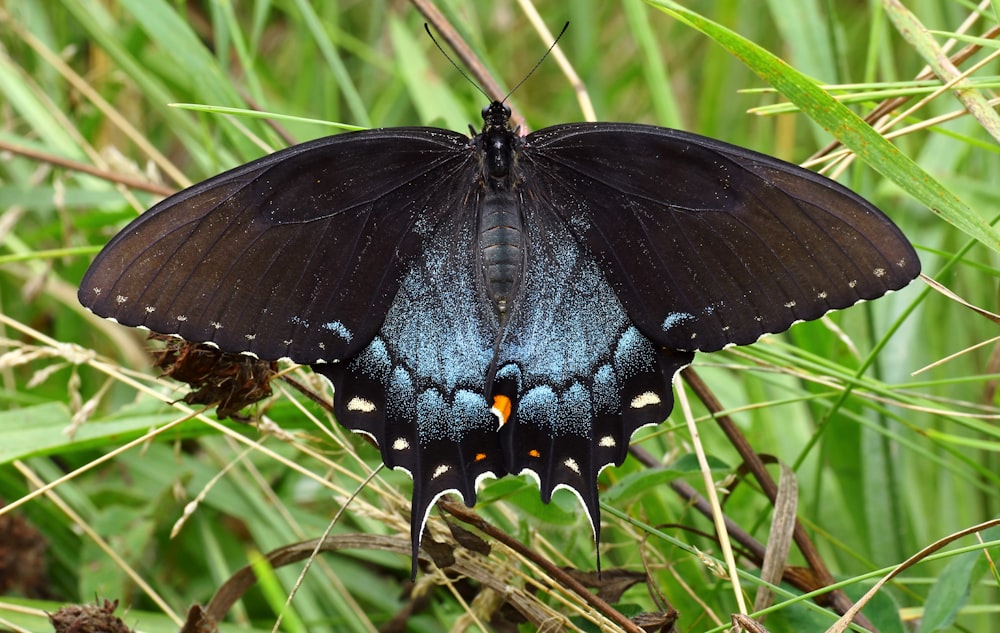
pixel 499 303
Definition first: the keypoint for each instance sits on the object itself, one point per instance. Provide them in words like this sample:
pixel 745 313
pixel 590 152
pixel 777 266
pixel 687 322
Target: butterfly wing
pixel 295 255
pixel 419 388
pixel 707 244
pixel 581 378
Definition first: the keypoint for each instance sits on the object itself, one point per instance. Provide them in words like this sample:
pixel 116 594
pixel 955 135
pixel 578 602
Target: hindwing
pixel 582 379
pixel 419 388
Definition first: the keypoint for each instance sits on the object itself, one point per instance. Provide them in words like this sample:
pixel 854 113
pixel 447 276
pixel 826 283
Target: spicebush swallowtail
pixel 499 304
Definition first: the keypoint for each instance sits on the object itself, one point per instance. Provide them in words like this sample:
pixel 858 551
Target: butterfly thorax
pixel 500 221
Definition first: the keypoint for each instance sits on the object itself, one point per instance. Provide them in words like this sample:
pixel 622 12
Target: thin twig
pixel 73 165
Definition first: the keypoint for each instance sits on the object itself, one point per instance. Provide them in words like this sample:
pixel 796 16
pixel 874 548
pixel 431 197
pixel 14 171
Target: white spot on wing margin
pixel 646 399
pixel 362 405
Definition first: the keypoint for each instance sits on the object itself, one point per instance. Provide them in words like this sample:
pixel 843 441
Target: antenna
pixel 538 63
pixel 462 72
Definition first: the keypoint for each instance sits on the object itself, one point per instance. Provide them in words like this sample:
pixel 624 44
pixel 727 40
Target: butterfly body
pixel 500 304
pixel 502 255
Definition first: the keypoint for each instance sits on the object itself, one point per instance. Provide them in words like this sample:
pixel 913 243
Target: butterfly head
pixel 496 116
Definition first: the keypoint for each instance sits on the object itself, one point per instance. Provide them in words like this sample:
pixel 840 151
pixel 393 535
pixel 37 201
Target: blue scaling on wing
pixel 580 376
pixel 419 387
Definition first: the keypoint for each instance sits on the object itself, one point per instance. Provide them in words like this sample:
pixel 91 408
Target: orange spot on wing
pixel 480 457
pixel 534 453
pixel 502 406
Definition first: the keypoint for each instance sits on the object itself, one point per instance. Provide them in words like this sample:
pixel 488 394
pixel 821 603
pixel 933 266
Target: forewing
pixel 708 244
pixel 580 376
pixel 296 255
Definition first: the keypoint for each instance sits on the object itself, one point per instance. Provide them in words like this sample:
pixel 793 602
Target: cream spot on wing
pixel 572 465
pixel 440 470
pixel 400 444
pixel 645 400
pixel 607 442
pixel 362 405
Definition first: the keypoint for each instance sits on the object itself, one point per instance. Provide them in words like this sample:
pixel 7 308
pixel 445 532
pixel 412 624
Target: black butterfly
pixel 499 304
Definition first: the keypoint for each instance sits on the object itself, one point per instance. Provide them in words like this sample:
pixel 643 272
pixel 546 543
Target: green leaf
pixel 41 430
pixel 634 485
pixel 951 590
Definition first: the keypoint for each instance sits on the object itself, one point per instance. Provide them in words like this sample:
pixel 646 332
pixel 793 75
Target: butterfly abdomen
pixel 500 238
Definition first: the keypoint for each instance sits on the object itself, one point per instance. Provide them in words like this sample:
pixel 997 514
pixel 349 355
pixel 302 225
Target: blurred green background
pixel 898 463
